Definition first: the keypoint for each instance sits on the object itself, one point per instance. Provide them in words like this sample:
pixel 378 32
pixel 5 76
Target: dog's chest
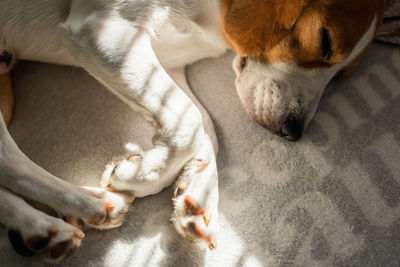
pixel 182 41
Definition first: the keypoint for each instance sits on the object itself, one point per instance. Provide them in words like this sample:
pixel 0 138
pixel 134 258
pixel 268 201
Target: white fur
pixel 281 89
pixel 124 45
pixel 137 49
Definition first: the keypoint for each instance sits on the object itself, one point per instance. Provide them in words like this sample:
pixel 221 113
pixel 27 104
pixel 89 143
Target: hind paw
pixel 194 222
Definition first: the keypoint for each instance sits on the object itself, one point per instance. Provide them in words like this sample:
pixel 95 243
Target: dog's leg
pixel 196 190
pixel 23 177
pixel 32 231
pixel 128 66
pixel 196 198
pixel 137 77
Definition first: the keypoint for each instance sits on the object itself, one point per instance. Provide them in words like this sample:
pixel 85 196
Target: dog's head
pixel 288 50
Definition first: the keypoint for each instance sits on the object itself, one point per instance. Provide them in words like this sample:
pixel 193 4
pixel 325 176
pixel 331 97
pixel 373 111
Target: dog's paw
pixel 143 173
pixel 6 61
pixel 193 221
pixel 115 209
pixel 118 175
pixel 90 207
pixel 196 199
pixel 49 236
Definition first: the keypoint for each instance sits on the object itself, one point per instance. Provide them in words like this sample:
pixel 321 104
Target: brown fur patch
pixel 289 30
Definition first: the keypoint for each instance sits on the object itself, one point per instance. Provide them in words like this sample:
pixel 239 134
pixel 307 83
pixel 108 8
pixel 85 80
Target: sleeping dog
pixel 287 52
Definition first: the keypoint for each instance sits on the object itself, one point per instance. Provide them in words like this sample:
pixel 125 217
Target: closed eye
pixel 243 63
pixel 326 44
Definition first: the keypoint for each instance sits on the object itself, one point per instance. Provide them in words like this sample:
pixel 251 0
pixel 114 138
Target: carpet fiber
pixel 331 199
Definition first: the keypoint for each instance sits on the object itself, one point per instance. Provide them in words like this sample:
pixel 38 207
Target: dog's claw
pixel 180 189
pixel 134 158
pixel 202 165
pixel 78 234
pixel 206 219
pixel 212 246
pixel 110 207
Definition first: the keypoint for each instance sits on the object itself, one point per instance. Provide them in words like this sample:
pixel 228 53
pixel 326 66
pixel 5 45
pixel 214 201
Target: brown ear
pixel 347 70
pixel 6 97
pixel 253 26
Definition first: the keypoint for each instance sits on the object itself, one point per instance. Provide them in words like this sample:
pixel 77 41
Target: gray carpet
pixel 332 199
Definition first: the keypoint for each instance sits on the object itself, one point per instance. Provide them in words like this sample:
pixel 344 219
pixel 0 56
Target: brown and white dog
pixel 287 52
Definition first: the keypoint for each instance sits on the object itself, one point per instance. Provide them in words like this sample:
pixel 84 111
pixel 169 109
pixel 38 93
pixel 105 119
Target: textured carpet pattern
pixel 390 29
pixel 331 199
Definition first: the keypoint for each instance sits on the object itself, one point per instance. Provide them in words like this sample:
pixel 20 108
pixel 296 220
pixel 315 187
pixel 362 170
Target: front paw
pixel 115 206
pixel 51 237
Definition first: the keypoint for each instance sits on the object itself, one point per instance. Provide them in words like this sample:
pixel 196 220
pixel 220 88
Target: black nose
pixel 292 129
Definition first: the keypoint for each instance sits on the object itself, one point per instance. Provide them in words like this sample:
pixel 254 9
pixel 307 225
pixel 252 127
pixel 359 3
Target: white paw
pixel 119 174
pixel 35 232
pixel 195 222
pixel 196 202
pixel 116 207
pixel 94 207
pixel 142 173
pixel 51 237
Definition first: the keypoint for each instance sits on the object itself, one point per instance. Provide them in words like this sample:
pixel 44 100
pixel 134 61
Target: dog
pixel 287 52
